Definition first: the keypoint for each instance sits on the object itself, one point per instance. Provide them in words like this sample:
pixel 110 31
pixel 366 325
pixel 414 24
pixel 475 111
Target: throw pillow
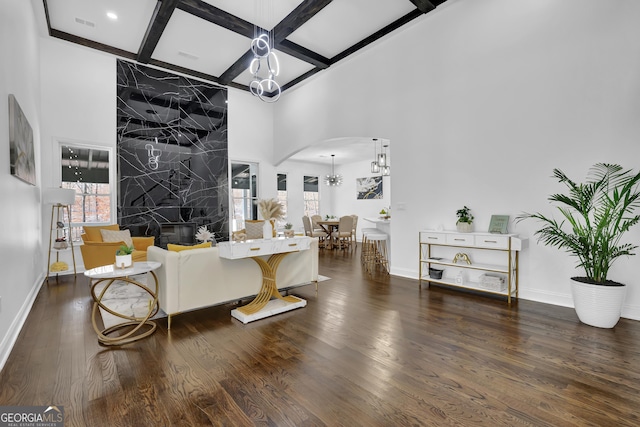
pixel 93 231
pixel 253 228
pixel 117 236
pixel 178 248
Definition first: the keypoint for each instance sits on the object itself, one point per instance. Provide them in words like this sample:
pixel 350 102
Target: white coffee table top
pixel 110 271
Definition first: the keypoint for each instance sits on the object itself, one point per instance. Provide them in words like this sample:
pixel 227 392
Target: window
pixel 87 171
pixel 311 196
pixel 244 193
pixel 282 198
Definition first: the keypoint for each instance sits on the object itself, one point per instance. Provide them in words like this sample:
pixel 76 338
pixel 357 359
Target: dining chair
pixel 308 231
pixel 345 231
pixel 355 230
pixel 314 223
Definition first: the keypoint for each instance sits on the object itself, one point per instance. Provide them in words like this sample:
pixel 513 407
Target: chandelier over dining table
pixel 333 179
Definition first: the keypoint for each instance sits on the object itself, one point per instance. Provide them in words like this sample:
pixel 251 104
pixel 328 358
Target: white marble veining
pixel 125 298
pixel 259 247
pixel 172 154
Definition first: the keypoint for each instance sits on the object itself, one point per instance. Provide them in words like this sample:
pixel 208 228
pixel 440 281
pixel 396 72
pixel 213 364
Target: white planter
pixel 599 306
pixel 123 261
pixel 464 227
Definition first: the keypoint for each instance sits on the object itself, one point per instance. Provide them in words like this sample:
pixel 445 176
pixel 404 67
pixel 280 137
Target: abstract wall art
pixel 369 188
pixel 21 157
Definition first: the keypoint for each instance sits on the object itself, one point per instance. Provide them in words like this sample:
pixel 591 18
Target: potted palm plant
pixel 596 214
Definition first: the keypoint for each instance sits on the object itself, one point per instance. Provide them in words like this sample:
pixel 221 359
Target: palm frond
pixel 596 215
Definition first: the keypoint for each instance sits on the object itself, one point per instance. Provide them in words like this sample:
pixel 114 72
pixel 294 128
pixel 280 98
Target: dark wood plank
pixel 367 350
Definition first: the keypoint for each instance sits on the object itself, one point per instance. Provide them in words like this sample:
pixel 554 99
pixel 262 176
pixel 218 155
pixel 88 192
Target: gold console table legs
pixel 269 288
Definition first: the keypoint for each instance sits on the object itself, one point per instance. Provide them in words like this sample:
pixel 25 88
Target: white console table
pixel 464 257
pixel 263 305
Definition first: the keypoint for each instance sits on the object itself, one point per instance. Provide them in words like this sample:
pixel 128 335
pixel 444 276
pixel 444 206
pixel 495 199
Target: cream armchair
pixel 96 252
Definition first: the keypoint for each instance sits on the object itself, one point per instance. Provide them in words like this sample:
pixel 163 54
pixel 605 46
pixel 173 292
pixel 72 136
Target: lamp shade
pixel 62 196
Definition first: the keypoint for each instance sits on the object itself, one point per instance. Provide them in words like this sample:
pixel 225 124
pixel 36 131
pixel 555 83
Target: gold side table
pixel 109 274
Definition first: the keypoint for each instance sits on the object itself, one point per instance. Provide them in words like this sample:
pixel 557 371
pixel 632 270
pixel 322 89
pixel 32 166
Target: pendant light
pixel 374 165
pixel 333 179
pixel 386 169
pixel 265 59
pixel 382 158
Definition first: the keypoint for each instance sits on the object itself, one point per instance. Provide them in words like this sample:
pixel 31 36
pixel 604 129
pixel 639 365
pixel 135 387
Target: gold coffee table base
pixel 269 289
pixel 135 323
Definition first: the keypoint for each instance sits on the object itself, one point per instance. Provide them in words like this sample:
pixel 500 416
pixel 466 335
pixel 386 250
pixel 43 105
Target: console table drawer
pixel 460 239
pixel 427 237
pixel 496 242
pixel 259 247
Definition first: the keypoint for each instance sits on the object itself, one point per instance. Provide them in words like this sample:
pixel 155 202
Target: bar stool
pixel 364 248
pixel 377 252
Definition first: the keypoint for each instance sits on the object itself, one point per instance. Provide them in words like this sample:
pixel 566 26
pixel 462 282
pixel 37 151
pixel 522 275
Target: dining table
pixel 329 227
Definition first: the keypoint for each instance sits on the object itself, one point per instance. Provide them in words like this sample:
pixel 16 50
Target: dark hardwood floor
pixel 364 352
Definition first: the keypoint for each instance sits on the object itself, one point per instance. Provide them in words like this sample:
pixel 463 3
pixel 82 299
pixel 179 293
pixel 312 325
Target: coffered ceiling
pixel 210 39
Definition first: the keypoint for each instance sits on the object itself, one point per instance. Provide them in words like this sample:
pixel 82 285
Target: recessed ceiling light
pixel 112 15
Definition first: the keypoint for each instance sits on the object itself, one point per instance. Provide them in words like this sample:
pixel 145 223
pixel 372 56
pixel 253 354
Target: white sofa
pixel 198 278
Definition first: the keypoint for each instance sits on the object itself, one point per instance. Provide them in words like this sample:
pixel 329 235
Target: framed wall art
pixel 369 188
pixel 22 157
pixel 499 224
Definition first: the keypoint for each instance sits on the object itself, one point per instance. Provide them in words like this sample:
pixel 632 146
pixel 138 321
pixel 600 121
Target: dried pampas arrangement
pixel 271 209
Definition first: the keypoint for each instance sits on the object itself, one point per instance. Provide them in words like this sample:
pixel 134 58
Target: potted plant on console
pixel 596 214
pixel 123 256
pixel 288 230
pixel 465 220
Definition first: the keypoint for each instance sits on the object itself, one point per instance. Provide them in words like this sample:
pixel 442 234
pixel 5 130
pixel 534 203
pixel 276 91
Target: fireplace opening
pixel 179 233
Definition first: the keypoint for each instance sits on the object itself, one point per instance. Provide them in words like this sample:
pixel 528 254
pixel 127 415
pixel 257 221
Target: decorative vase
pixel 288 233
pixel 464 227
pixel 124 261
pixel 267 230
pixel 598 305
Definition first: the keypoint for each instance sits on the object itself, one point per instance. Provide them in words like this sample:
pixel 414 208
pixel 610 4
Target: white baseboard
pixel 403 272
pixel 10 338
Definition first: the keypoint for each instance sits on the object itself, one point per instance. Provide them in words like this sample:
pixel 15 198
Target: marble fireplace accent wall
pixel 172 155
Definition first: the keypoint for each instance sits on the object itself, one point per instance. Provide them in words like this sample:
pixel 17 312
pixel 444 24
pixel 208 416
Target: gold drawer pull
pixel 293 244
pixel 255 249
pixel 491 241
pixel 432 238
pixel 459 240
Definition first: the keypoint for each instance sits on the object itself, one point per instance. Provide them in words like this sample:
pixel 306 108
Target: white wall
pixel 296 171
pixel 482 100
pixel 22 265
pixel 344 196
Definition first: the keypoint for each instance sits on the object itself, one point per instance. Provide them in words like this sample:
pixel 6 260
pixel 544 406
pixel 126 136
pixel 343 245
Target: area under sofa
pixel 199 278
